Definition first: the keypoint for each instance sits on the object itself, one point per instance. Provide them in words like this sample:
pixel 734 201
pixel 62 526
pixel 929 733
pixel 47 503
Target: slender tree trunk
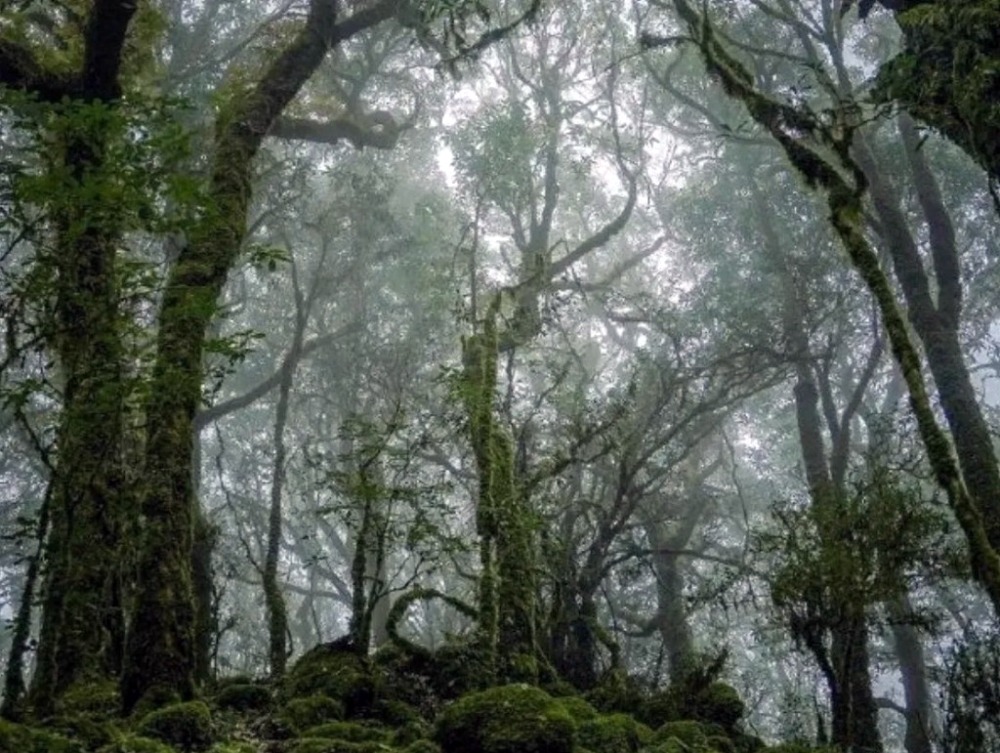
pixel 14 686
pixel 920 723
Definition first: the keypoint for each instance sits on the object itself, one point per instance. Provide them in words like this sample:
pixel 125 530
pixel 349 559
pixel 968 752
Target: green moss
pixel 578 708
pixel 506 719
pixel 616 733
pixel 187 726
pixel 243 697
pixel 323 745
pixel 688 732
pixel 422 746
pixel 799 748
pixel 135 744
pixel 616 691
pixel 16 738
pixel 458 668
pixel 311 711
pixel 670 745
pixel 410 732
pixel 349 731
pixel 94 699
pixel 719 703
pixel 233 748
pixel 396 713
pixel 91 733
pixel 337 672
pixel 721 743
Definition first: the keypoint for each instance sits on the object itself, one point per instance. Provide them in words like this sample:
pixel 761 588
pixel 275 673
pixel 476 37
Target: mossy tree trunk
pixel 504 521
pixel 832 170
pixel 81 550
pixel 159 657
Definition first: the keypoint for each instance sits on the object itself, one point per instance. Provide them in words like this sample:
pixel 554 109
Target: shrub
pixel 506 719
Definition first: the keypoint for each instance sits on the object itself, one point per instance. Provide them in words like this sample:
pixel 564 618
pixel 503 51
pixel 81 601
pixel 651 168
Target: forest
pixel 500 376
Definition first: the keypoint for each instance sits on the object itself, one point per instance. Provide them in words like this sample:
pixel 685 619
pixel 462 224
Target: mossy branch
pixel 404 602
pixel 821 154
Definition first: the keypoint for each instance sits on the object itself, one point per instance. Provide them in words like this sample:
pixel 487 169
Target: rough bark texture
pixel 160 652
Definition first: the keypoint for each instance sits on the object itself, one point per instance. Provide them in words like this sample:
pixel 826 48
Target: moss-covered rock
pixel 459 667
pixel 349 731
pixel 616 692
pixel 302 713
pixel 615 733
pixel 98 699
pixel 186 726
pixel 336 671
pixel 233 747
pixel 799 748
pixel 243 697
pixel 422 746
pixel 719 703
pixel 16 738
pixel 722 744
pixel 136 744
pixel 579 708
pixel 90 732
pixel 411 732
pixel 506 719
pixel 323 745
pixel 689 732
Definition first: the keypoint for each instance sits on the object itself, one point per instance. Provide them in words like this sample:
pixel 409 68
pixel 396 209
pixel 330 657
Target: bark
pixel 14 686
pixel 920 722
pixel 837 175
pixel 160 651
pixel 937 323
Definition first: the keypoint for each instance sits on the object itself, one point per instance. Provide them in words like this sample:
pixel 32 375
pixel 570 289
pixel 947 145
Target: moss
pixel 349 731
pixel 616 733
pixel 410 732
pixel 422 746
pixel 311 711
pixel 233 748
pixel 506 719
pixel 578 708
pixel 243 697
pixel 688 732
pixel 719 703
pixel 135 744
pixel 16 738
pixel 616 691
pixel 799 748
pixel 323 745
pixel 92 733
pixel 187 726
pixel 721 743
pixel 94 699
pixel 336 671
pixel 670 745
pixel 460 667
pixel 396 713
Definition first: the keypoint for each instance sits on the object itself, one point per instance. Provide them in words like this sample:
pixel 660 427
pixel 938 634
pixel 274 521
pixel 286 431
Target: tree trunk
pixel 920 723
pixel 161 647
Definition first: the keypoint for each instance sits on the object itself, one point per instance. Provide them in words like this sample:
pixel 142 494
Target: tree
pixel 158 662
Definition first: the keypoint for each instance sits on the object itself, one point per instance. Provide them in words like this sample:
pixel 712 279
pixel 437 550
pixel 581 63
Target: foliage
pixel 349 731
pixel 186 726
pixel 506 719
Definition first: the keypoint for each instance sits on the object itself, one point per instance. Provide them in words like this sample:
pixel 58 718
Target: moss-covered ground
pixel 334 701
